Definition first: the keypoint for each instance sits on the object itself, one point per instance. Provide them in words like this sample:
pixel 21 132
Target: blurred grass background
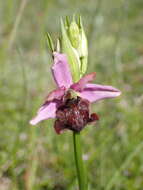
pixel 35 158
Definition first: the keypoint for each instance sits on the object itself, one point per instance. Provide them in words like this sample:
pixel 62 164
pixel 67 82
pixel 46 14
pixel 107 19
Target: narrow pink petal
pixel 61 70
pixel 93 87
pixel 96 92
pixel 56 94
pixel 79 86
pixel 48 110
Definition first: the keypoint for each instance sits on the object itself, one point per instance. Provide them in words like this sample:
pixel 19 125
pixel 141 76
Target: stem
pixel 82 180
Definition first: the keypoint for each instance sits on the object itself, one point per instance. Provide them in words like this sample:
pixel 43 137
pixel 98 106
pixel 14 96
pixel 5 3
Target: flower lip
pixel 74 115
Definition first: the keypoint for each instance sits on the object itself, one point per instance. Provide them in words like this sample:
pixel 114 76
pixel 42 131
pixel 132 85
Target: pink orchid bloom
pixel 84 89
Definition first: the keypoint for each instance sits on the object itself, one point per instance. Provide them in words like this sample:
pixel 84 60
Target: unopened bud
pixel 72 54
pixel 83 48
pixel 74 34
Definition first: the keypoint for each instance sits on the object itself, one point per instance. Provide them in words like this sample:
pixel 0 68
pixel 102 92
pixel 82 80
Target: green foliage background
pixel 35 158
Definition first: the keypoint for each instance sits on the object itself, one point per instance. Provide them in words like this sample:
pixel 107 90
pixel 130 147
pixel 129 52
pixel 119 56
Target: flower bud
pixel 74 34
pixel 83 48
pixel 71 52
pixel 74 45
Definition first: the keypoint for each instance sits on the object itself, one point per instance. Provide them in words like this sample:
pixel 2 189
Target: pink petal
pixel 79 86
pixel 96 92
pixel 61 70
pixel 48 110
pixel 56 94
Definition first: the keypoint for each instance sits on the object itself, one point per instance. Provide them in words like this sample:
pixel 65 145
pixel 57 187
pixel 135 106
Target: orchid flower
pixel 60 99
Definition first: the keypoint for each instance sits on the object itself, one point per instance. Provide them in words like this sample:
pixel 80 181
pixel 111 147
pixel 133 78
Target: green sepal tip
pixel 50 42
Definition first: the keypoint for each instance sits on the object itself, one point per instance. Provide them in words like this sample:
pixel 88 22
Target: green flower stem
pixel 82 180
